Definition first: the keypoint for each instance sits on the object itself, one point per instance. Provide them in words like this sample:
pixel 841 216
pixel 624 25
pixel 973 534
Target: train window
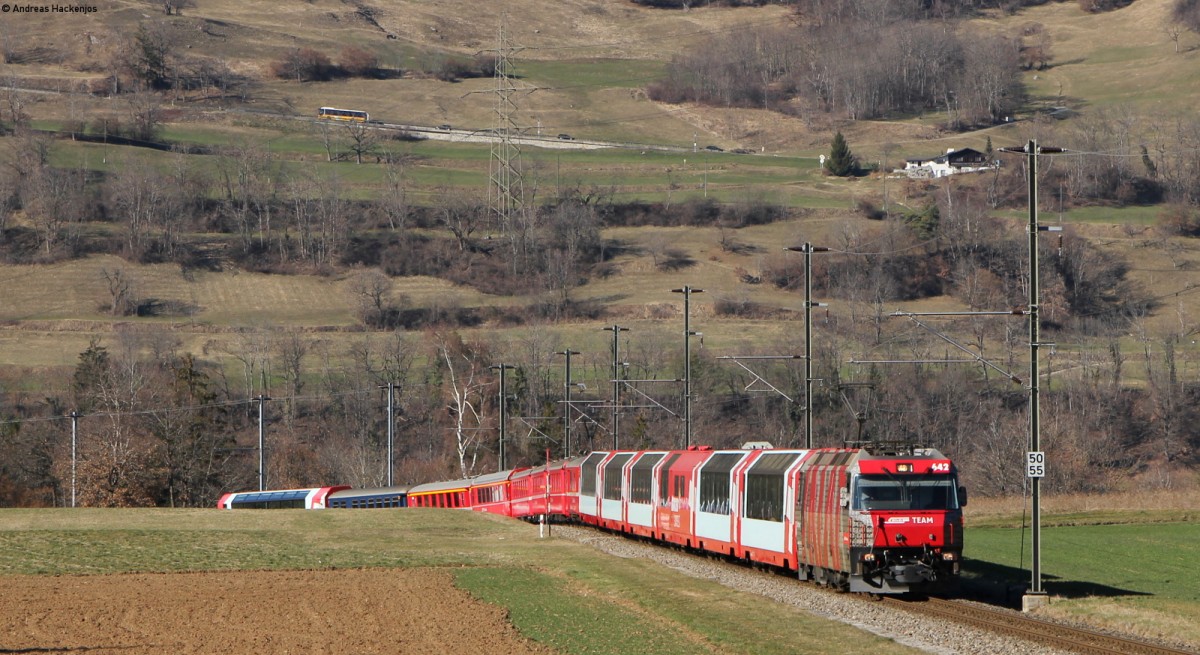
pixel 640 483
pixel 612 476
pixel 664 475
pixel 587 474
pixel 917 492
pixel 714 482
pixel 765 486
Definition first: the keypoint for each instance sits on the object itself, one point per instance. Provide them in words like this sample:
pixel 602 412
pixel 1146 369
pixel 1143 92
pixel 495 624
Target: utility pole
pixel 74 434
pixel 808 249
pixel 391 426
pixel 567 401
pixel 1035 459
pixel 503 460
pixel 616 383
pixel 262 457
pixel 687 362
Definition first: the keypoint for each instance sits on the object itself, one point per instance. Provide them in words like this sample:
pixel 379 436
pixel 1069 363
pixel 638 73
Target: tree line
pixel 160 426
pixel 818 68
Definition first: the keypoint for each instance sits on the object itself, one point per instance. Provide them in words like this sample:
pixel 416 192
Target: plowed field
pixel 355 612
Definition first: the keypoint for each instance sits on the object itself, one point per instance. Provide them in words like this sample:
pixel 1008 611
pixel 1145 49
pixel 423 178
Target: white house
pixel 964 160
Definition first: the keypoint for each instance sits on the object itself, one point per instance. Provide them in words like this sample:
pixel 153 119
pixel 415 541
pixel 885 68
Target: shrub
pixel 357 62
pixel 304 65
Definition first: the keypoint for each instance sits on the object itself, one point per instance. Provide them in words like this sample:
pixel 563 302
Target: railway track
pixel 1079 640
pixel 1014 632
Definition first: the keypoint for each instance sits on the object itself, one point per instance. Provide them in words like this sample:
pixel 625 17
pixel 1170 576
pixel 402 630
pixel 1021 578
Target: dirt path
pixel 357 612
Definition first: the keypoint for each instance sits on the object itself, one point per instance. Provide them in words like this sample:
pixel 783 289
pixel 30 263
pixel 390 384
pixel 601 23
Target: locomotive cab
pixel 905 516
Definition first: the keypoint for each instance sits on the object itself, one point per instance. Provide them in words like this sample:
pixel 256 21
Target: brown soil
pixel 329 612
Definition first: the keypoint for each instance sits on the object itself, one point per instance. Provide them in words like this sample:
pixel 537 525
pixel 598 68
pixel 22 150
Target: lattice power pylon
pixel 506 193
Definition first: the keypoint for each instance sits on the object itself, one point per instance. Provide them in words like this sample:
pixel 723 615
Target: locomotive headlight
pixel 868 557
pixel 949 556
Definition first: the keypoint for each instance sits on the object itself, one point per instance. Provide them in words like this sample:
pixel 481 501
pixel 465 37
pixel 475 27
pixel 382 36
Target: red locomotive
pixel 878 523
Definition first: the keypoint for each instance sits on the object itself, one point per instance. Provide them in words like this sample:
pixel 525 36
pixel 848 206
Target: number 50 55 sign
pixel 1035 464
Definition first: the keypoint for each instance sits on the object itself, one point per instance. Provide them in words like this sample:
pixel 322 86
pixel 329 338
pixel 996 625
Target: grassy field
pixel 556 591
pixel 1120 560
pixel 1107 565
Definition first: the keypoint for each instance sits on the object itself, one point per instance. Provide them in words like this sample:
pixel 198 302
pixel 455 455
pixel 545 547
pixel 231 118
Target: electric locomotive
pixel 880 523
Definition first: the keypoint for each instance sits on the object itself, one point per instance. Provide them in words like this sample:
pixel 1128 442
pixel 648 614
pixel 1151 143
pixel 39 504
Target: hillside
pixel 241 236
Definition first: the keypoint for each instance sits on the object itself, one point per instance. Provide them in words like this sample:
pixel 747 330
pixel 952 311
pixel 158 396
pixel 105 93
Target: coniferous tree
pixel 841 161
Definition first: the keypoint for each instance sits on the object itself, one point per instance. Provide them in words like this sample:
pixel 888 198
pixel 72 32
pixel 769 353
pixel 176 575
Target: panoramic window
pixel 640 483
pixel 765 485
pixel 714 482
pixel 587 474
pixel 612 476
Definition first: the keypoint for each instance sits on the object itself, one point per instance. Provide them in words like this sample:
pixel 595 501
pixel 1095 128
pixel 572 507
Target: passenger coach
pixel 312 498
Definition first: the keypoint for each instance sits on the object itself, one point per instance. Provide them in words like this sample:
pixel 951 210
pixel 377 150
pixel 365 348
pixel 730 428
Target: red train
pixel 841 517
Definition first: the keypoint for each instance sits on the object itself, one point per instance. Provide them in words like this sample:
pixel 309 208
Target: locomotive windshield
pixel 908 492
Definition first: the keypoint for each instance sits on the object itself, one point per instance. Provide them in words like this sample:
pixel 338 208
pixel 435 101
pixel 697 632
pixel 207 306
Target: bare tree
pixel 176 6
pixel 139 198
pixel 14 103
pixel 464 366
pixel 291 349
pixel 250 176
pixel 253 349
pixel 361 140
pixel 461 217
pixel 54 199
pixel 393 201
pixel 120 291
pixel 372 289
pixel 1174 31
pixel 332 214
pixel 145 113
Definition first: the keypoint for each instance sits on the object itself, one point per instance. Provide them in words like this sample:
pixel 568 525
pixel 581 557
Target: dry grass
pixel 579 37
pixel 1184 497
